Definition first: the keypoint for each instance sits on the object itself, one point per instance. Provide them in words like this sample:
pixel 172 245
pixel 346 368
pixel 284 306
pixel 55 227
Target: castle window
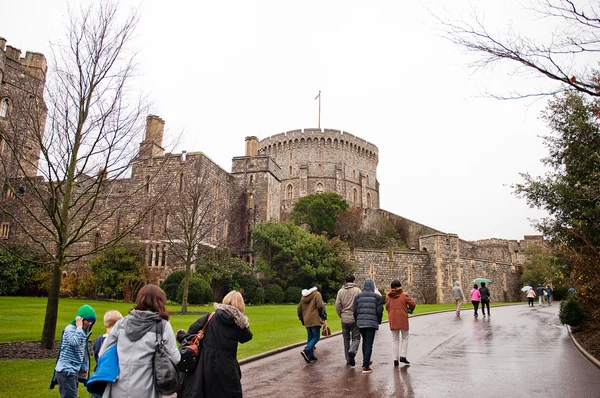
pixel 216 188
pixel 251 201
pixel 251 179
pixel 290 192
pixel 4 230
pixel 147 185
pixel 180 187
pixel 367 180
pixel 4 105
pixel 319 188
pixel 290 173
pixel 369 204
pixel 355 196
pixel 225 229
pixel 97 240
pixel 354 174
pixel 320 170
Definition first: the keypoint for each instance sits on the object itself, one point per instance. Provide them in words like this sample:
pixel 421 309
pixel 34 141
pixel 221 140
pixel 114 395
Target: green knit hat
pixel 87 313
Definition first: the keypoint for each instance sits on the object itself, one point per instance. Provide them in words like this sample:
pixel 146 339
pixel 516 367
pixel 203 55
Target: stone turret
pixel 251 146
pixel 152 144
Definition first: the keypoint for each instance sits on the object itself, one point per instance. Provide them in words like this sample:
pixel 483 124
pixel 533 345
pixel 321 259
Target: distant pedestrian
pixel 218 373
pixel 571 291
pixel 549 292
pixel 344 306
pixel 398 304
pixel 530 297
pixel 110 318
pixel 540 293
pixel 135 337
pixel 485 299
pixel 310 312
pixel 458 295
pixel 73 362
pixel 368 312
pixel 475 298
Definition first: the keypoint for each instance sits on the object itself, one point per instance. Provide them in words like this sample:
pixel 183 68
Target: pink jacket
pixel 475 295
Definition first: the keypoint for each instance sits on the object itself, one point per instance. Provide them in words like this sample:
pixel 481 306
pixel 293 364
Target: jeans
pixel 368 336
pixel 314 334
pixel 475 306
pixel 67 384
pixel 549 300
pixel 351 334
pixel 396 341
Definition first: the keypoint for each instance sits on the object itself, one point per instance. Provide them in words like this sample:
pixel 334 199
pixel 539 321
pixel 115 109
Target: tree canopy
pixel 319 211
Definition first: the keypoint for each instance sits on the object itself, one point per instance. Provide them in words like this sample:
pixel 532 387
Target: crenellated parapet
pixel 34 64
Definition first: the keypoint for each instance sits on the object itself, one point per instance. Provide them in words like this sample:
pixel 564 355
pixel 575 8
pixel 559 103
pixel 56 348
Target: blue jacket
pixel 107 371
pixel 368 307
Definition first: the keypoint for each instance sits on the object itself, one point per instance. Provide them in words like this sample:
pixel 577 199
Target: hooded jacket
pixel 310 309
pixel 218 373
pixel 368 307
pixel 344 302
pixel 73 355
pixel 457 291
pixel 397 304
pixel 135 338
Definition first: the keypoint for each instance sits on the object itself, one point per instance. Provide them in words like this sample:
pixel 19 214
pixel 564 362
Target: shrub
pixel 249 286
pixel 560 293
pixel 293 294
pixel 571 312
pixel 18 265
pixel 259 296
pixel 199 291
pixel 273 294
pixel 171 284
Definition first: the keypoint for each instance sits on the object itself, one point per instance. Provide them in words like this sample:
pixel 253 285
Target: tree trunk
pixel 49 331
pixel 186 284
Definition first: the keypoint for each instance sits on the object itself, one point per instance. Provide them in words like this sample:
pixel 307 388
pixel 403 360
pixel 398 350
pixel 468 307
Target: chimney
pixel 251 146
pixel 152 144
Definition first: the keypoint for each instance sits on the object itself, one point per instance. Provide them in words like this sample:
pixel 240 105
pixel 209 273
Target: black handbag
pixel 166 377
pixel 190 350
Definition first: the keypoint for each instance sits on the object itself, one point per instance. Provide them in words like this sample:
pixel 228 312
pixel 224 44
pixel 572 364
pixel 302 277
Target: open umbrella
pixel 526 288
pixel 479 280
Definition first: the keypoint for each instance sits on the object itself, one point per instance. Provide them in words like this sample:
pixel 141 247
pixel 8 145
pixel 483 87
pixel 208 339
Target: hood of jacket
pixel 232 314
pixel 369 285
pixel 349 285
pixel 457 284
pixel 395 292
pixel 308 292
pixel 139 323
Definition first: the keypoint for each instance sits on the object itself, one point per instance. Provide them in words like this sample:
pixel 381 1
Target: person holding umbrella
pixel 485 299
pixel 530 296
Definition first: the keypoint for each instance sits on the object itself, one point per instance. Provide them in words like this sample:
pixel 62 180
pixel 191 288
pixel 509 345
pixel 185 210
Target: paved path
pixel 518 352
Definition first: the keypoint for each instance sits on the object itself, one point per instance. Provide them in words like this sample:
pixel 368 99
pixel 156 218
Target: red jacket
pixel 397 304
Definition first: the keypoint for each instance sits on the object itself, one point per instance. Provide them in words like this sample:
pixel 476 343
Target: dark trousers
pixel 351 334
pixel 483 305
pixel 530 301
pixel 368 336
pixel 67 384
pixel 475 306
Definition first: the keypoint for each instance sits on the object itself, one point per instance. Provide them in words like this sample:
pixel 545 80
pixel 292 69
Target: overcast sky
pixel 218 71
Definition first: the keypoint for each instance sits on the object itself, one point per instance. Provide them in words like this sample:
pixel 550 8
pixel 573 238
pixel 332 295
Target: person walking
pixel 540 293
pixel 475 298
pixel 73 362
pixel 344 306
pixel 310 312
pixel 530 297
pixel 458 295
pixel 549 292
pixel 485 299
pixel 135 337
pixel 398 304
pixel 368 312
pixel 218 372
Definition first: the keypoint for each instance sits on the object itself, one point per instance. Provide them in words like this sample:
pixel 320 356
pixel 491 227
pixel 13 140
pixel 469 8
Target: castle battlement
pixel 34 63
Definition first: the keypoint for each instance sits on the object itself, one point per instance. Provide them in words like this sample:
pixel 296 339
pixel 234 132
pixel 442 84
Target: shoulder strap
pixel 196 339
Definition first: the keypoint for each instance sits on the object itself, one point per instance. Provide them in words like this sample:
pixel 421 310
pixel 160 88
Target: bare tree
pixel 195 217
pixel 86 147
pixel 564 58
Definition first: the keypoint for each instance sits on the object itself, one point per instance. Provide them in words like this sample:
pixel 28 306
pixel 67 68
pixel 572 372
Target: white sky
pixel 219 71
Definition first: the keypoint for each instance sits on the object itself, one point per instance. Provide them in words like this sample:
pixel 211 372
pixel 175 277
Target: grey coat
pixel 344 302
pixel 135 338
pixel 368 307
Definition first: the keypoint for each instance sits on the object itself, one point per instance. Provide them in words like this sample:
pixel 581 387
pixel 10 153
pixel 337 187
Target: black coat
pixel 218 373
pixel 368 307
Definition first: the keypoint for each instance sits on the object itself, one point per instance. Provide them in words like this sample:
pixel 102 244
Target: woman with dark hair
pixel 398 305
pixel 135 337
pixel 475 298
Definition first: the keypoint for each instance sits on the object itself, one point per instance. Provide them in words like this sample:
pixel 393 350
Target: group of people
pixel 361 313
pixel 135 338
pixel 544 295
pixel 478 296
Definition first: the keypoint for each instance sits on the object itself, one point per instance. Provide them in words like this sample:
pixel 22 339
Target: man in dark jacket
pixel 368 312
pixel 540 293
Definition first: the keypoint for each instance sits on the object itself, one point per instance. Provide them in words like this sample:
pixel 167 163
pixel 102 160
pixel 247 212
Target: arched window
pixel 368 199
pixel 251 201
pixel 355 196
pixel 291 170
pixel 319 188
pixel 4 105
pixel 290 192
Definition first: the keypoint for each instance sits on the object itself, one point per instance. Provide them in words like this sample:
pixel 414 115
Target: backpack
pixel 166 378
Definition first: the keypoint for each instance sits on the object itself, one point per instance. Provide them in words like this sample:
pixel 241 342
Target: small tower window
pixel 147 185
pixel 4 105
pixel 355 196
pixel 319 188
pixel 291 170
pixel 290 192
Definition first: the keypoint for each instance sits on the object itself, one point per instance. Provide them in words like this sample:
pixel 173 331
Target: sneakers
pixel 313 359
pixel 305 356
pixel 351 360
pixel 404 360
pixel 484 315
pixel 367 370
pixel 396 363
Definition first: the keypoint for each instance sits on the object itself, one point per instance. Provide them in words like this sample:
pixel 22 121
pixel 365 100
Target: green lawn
pixel 22 319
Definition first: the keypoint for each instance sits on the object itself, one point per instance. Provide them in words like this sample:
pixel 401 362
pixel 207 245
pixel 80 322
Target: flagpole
pixel 319 95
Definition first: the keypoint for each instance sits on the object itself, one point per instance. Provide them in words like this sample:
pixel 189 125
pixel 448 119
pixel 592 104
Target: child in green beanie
pixel 73 361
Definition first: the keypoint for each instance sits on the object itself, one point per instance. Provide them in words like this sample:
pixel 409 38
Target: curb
pixel 586 354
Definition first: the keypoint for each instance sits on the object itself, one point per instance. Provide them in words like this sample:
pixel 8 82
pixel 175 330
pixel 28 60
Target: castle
pixel 262 187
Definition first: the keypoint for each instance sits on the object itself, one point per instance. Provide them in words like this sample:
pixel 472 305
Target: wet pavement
pixel 519 351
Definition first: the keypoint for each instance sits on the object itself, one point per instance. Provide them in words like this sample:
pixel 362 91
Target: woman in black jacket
pixel 218 372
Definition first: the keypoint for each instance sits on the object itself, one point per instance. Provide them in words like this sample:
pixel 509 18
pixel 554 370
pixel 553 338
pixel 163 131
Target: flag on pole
pixel 318 95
